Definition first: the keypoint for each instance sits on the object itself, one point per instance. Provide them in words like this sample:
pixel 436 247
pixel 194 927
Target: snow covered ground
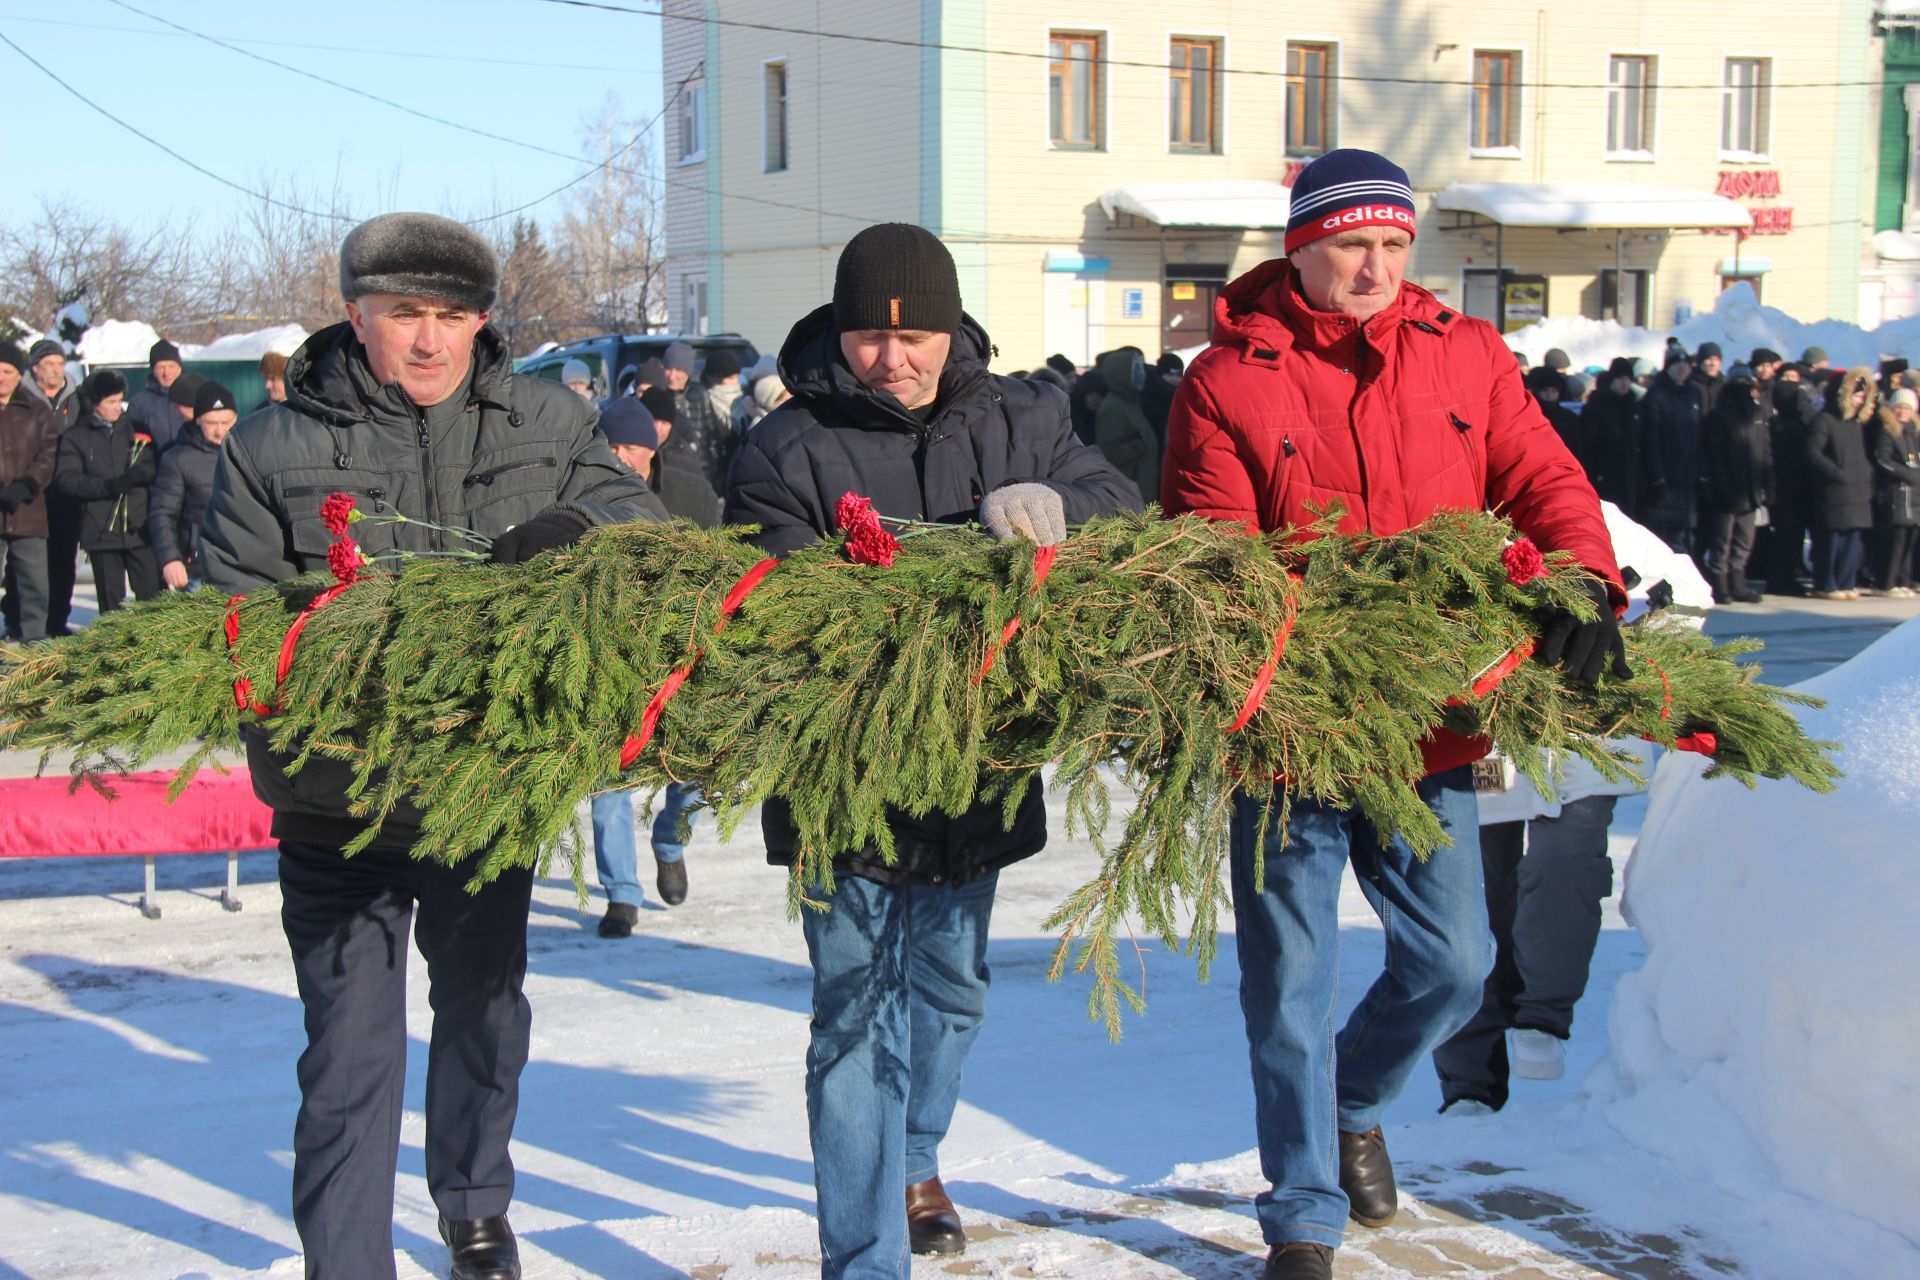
pixel 147 1094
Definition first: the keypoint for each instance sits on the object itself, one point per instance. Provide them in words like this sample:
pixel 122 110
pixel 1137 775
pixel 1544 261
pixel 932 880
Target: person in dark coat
pixel 1707 378
pixel 1739 483
pixel 1894 450
pixel 183 485
pixel 1156 399
pixel 892 400
pixel 107 465
pixel 1794 408
pixel 29 444
pixel 182 395
pixel 1121 429
pixel 410 406
pixel 1840 497
pixel 1610 426
pixel 703 433
pixel 150 411
pixel 679 473
pixel 1670 422
pixel 49 382
pixel 1549 388
pixel 1083 403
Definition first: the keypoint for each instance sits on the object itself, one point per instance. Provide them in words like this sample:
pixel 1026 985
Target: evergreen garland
pixel 498 697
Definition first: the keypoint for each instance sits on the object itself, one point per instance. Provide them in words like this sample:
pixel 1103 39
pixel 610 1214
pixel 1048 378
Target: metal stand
pixel 148 906
pixel 230 896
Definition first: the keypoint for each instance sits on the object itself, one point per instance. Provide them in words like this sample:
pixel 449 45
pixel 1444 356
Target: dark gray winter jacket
pixel 150 412
pixel 836 437
pixel 182 488
pixel 521 445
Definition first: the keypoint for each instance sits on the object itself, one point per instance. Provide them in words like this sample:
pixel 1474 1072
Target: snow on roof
pixel 282 340
pixel 1591 204
pixel 117 342
pixel 1201 204
pixel 1898 246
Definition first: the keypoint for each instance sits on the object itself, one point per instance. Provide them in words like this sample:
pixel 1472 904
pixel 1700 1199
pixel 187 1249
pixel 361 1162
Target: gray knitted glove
pixel 1031 511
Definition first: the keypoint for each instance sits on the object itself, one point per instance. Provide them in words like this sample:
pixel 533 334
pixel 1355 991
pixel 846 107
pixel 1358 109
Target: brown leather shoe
pixel 932 1224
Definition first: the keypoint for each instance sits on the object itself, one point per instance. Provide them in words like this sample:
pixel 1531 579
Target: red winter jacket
pixel 1418 410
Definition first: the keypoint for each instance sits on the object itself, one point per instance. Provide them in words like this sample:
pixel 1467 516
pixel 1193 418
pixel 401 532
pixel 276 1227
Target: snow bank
pixel 1774 1033
pixel 284 339
pixel 117 342
pixel 1738 323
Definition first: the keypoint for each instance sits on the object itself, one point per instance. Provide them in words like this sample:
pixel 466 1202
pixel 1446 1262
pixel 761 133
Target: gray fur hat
pixel 419 254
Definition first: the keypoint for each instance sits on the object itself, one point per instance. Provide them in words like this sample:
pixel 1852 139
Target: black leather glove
pixel 12 496
pixel 1580 648
pixel 551 530
pixel 118 485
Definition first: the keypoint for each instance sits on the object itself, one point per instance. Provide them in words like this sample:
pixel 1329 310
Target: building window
pixel 694 312
pixel 1193 95
pixel 693 122
pixel 1745 108
pixel 1630 105
pixel 1073 90
pixel 773 104
pixel 1310 99
pixel 1496 101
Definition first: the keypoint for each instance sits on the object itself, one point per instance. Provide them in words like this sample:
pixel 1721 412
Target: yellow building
pixel 1100 168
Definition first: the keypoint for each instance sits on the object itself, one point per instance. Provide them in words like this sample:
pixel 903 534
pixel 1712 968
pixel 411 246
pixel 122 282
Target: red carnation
pixel 141 437
pixel 1523 562
pixel 343 557
pixel 868 541
pixel 337 512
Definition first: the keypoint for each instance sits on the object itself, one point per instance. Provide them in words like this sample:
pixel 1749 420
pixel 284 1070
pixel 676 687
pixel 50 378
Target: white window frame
pixel 693 305
pixel 693 107
pixel 1102 89
pixel 786 114
pixel 1338 124
pixel 1518 150
pixel 1645 155
pixel 1219 41
pixel 1765 154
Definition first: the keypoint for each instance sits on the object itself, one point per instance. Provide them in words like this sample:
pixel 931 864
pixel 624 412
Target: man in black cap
pixel 1671 416
pixel 892 401
pixel 29 438
pixel 150 411
pixel 410 406
pixel 183 484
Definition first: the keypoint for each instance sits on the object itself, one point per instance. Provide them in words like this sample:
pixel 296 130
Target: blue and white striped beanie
pixel 1345 189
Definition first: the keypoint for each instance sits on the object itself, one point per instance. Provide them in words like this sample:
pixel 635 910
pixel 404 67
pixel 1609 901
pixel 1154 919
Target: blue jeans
pixel 899 992
pixel 1308 1082
pixel 1836 559
pixel 614 854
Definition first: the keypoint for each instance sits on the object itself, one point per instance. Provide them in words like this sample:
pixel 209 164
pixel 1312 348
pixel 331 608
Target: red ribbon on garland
pixel 650 718
pixel 242 686
pixel 1704 743
pixel 1490 678
pixel 1043 559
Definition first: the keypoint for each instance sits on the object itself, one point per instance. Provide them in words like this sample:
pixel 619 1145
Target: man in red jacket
pixel 1332 381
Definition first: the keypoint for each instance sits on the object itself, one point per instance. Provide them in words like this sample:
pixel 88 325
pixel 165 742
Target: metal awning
pixel 1239 205
pixel 1593 205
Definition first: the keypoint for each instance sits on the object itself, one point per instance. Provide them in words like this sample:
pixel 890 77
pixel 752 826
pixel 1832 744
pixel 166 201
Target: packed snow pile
pixel 1737 322
pixel 1773 1035
pixel 282 339
pixel 117 342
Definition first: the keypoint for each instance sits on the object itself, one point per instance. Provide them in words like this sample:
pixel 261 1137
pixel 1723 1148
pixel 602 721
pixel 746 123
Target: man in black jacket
pixel 892 401
pixel 1670 418
pixel 183 485
pixel 411 407
pixel 150 410
pixel 105 463
pixel 29 439
pixel 1739 483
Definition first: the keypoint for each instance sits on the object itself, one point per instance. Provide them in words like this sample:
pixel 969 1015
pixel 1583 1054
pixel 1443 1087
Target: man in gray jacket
pixel 410 406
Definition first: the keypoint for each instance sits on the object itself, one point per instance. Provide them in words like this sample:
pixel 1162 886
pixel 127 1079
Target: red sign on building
pixel 1741 184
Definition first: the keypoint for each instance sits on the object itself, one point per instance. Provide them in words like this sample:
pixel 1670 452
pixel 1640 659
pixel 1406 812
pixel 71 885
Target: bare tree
pixel 612 236
pixel 291 256
pixel 68 253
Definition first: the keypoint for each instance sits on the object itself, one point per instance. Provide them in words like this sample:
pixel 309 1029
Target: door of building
pixel 1186 305
pixel 1482 291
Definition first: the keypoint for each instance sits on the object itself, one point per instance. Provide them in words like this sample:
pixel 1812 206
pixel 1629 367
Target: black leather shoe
pixel 671 880
pixel 932 1224
pixel 482 1248
pixel 1300 1260
pixel 1366 1175
pixel 619 920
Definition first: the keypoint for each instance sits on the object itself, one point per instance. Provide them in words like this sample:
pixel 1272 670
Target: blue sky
pixel 521 69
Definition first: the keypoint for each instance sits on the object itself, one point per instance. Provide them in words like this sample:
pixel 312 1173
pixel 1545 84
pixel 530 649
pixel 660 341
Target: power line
pixel 162 147
pixel 1032 55
pixel 416 55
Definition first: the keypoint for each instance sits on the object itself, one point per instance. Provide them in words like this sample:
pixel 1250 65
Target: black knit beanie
pixel 896 276
pixel 212 396
pixel 162 350
pixel 13 355
pixel 185 388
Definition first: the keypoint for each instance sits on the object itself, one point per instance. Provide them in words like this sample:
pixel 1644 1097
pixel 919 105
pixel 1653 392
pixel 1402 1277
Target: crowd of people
pixel 1788 473
pixel 125 479
pixel 884 392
